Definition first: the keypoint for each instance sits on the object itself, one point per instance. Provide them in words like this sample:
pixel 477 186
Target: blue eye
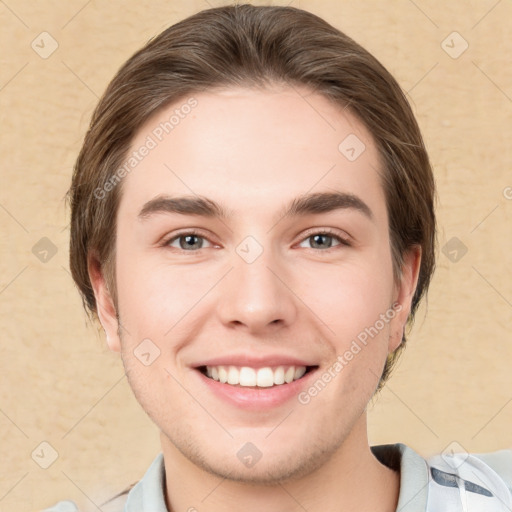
pixel 187 242
pixel 324 240
pixel 192 241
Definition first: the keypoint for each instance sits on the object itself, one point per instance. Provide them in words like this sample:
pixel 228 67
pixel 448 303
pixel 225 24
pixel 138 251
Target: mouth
pixel 256 378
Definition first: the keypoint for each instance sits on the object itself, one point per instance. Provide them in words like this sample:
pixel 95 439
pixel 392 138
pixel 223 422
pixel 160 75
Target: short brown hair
pixel 252 46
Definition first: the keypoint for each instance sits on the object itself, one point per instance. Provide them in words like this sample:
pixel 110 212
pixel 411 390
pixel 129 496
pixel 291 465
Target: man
pixel 253 226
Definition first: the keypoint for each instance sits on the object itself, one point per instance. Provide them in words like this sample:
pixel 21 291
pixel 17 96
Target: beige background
pixel 60 384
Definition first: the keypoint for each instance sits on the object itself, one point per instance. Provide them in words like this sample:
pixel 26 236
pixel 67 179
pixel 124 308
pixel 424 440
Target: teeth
pixel 279 375
pixel 233 375
pixel 223 374
pixel 246 377
pixel 250 377
pixel 299 372
pixel 264 378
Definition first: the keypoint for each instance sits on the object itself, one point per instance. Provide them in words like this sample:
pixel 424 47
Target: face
pixel 252 245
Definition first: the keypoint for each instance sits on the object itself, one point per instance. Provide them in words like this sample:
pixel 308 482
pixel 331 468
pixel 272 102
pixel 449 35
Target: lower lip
pixel 257 399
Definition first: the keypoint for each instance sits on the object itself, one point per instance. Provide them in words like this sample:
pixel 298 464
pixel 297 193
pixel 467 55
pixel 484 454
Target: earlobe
pixel 105 307
pixel 404 294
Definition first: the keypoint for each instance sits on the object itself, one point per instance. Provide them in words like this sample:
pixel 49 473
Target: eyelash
pixel 329 232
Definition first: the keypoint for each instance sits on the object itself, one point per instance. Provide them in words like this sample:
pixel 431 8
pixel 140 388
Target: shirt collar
pixel 149 493
pixel 414 477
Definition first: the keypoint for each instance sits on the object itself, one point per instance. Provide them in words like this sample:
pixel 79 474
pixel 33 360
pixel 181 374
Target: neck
pixel 351 479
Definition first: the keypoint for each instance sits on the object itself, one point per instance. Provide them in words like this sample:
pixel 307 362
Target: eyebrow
pixel 320 202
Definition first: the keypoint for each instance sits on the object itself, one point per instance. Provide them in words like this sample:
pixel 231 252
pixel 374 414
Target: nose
pixel 256 296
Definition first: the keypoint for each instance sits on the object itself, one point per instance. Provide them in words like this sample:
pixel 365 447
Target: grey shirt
pixel 485 483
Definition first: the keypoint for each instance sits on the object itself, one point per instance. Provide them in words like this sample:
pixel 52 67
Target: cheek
pixel 349 297
pixel 356 304
pixel 154 295
pixel 358 310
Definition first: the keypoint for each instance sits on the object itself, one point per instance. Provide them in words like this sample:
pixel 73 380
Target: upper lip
pixel 254 361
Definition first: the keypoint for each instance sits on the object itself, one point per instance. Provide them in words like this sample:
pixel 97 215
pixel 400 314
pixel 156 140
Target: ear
pixel 403 295
pixel 104 303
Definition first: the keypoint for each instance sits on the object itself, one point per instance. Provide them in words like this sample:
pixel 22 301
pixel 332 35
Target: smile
pixel 245 376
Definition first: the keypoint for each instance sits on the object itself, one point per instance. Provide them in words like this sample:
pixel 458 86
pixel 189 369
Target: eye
pixel 324 240
pixel 192 241
pixel 189 241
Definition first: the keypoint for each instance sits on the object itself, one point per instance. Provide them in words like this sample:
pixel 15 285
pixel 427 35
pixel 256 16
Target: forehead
pixel 244 147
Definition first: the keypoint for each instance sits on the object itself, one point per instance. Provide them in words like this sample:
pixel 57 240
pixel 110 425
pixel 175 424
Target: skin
pixel 253 151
